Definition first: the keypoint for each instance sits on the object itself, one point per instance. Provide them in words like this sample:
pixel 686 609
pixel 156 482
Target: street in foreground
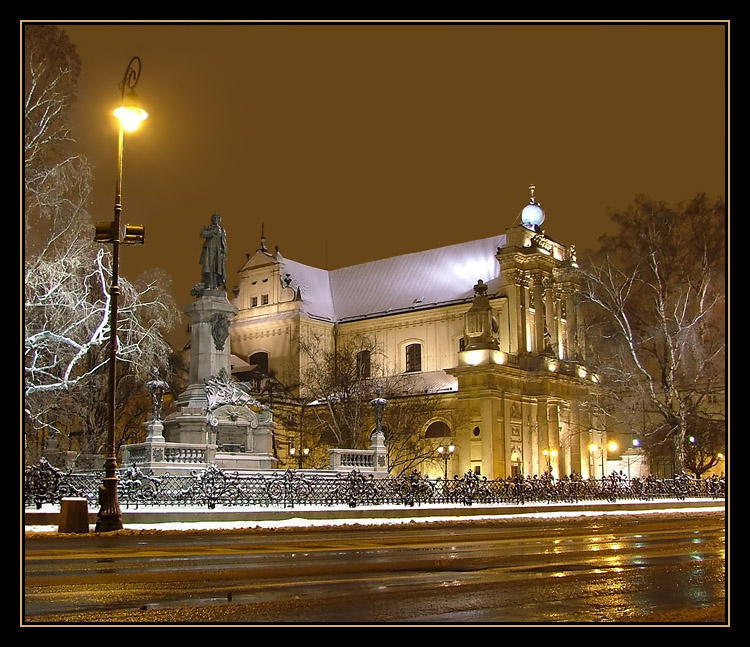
pixel 648 568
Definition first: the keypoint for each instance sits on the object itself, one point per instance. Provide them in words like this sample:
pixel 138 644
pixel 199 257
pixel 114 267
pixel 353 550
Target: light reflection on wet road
pixel 604 569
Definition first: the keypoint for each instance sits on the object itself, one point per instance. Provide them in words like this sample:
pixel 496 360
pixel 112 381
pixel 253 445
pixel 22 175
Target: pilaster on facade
pixel 538 308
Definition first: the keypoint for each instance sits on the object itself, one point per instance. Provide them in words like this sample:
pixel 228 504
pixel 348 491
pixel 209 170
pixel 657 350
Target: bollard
pixel 74 515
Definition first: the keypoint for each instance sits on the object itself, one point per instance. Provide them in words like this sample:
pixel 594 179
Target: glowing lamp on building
pixel 481 356
pixel 532 215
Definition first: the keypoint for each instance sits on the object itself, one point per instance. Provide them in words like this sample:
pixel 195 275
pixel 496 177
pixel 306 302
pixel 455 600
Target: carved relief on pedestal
pixel 220 330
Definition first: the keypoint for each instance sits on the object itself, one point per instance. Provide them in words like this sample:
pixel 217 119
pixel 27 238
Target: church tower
pixel 521 377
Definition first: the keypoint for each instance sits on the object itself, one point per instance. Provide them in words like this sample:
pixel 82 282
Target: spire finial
pixel 531 188
pixel 263 237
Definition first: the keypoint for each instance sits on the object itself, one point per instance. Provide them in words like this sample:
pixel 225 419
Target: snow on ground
pixel 300 520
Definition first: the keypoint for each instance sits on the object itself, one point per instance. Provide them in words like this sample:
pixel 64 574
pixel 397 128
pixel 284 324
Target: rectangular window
pixel 413 358
pixel 363 363
pixel 264 300
pixel 255 302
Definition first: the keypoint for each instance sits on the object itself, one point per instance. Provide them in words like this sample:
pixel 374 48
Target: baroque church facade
pixel 491 327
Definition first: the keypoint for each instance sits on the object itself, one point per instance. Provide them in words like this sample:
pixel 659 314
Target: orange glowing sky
pixel 354 142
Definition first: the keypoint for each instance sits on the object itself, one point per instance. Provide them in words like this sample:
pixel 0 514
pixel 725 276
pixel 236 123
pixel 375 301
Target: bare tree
pixel 67 274
pixel 339 383
pixel 706 445
pixel 409 410
pixel 656 326
pixel 341 378
pixel 57 179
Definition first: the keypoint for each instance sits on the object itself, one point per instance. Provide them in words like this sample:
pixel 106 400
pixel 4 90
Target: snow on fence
pixel 211 487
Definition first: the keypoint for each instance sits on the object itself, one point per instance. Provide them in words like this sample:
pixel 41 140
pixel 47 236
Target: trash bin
pixel 74 515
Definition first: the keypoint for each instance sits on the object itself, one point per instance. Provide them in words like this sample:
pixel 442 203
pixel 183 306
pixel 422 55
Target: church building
pixel 491 327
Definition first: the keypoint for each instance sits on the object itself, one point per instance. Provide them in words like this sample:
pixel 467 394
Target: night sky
pixel 354 142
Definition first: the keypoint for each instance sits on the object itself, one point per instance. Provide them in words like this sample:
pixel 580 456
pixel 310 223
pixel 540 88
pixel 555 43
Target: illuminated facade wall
pixel 508 342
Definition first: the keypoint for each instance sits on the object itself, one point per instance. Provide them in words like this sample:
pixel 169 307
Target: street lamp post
pixel 300 457
pixel 611 449
pixel 593 447
pixel 446 453
pixel 129 116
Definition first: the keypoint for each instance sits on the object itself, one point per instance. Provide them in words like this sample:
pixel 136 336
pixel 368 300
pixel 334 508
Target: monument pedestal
pixel 215 421
pixel 209 318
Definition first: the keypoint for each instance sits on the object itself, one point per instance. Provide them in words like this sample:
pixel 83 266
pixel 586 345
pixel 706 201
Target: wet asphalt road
pixel 655 568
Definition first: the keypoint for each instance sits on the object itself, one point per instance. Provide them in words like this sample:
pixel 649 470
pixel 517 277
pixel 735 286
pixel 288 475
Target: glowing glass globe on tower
pixel 532 215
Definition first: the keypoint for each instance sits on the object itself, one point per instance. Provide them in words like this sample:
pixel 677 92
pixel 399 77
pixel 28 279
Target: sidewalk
pixel 47 519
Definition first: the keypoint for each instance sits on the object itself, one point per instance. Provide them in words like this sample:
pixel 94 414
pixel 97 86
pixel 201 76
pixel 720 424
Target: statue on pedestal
pixel 213 257
pixel 157 388
pixel 379 403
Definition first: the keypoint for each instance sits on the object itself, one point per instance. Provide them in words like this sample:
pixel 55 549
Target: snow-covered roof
pixel 397 284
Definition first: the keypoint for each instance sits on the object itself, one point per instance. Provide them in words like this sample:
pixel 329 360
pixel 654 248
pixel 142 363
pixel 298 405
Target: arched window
pixel 438 429
pixel 259 362
pixel 363 363
pixel 413 358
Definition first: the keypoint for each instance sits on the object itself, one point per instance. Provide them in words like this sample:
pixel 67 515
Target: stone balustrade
pixel 162 456
pixel 352 459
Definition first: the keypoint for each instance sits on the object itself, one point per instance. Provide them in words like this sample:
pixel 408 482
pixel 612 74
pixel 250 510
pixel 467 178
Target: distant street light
pixel 130 115
pixel 550 453
pixel 446 453
pixel 593 448
pixel 300 457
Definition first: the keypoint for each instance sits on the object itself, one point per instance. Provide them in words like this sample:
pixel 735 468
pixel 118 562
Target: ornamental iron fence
pixel 212 487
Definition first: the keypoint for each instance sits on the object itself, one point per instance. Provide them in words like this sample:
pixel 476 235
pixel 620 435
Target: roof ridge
pixel 423 251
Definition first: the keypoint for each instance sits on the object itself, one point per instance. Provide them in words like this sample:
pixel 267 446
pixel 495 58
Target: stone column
pixel 538 314
pixel 579 339
pixel 571 344
pixel 542 420
pixel 521 288
pixel 550 309
pixel 553 437
pixel 583 429
pixel 560 344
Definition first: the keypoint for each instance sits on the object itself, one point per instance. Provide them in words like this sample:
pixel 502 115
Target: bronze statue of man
pixel 214 254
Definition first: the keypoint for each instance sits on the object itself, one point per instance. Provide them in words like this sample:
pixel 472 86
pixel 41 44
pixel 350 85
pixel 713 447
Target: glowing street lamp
pixel 550 453
pixel 130 115
pixel 300 457
pixel 593 448
pixel 446 453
